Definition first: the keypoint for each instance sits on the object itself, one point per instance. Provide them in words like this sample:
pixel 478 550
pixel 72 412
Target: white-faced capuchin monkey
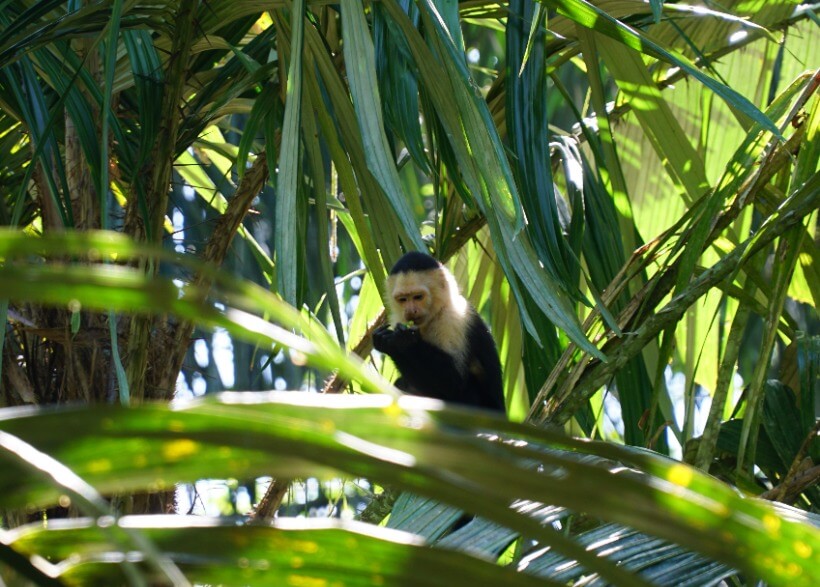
pixel 439 343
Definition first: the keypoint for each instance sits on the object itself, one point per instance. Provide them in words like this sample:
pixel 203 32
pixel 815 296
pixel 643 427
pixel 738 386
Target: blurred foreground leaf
pixel 478 462
pixel 304 552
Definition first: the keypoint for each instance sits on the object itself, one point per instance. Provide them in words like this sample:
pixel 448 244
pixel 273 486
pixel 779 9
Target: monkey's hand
pixel 390 341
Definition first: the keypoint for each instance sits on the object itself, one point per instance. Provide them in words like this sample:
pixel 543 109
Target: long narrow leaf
pixel 360 60
pixel 289 177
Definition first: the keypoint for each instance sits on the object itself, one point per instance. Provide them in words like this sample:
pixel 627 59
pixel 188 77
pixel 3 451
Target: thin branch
pixel 789 482
pixel 223 233
pixel 790 489
pixel 270 502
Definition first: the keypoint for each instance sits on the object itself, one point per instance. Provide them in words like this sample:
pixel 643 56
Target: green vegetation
pixel 203 197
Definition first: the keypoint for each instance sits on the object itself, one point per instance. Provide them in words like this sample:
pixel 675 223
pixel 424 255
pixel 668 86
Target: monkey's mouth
pixel 414 321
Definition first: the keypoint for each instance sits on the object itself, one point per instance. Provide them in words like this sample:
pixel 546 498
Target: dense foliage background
pixel 200 197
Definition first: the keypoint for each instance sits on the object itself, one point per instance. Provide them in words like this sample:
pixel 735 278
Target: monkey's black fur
pixel 414 261
pixel 430 371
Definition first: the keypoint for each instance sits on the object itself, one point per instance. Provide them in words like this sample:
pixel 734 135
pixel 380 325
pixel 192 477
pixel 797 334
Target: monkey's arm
pixel 425 369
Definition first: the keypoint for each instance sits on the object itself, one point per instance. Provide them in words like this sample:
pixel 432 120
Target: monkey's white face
pixel 413 304
pixel 413 296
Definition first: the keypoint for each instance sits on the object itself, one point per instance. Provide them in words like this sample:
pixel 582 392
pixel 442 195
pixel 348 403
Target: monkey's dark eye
pixel 401 299
pixel 418 297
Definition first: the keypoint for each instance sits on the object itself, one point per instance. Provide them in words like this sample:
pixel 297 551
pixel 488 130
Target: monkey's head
pixel 419 288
